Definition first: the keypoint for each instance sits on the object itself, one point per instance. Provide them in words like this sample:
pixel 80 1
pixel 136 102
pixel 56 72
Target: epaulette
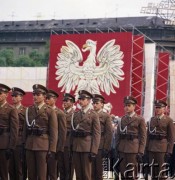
pixel 60 110
pixel 23 108
pixel 93 111
pixel 9 105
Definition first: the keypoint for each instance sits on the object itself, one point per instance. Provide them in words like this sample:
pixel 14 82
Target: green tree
pixel 46 54
pixel 3 62
pixel 6 57
pixel 24 61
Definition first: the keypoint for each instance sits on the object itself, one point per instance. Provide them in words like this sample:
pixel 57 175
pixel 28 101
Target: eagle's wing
pixel 68 70
pixel 109 71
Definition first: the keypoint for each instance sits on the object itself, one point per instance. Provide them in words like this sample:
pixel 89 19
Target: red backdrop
pixel 124 39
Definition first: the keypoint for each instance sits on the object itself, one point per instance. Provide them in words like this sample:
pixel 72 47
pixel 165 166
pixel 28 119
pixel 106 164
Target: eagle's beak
pixel 85 46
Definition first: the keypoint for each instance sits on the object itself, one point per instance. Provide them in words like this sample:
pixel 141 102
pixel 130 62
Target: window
pixel 22 51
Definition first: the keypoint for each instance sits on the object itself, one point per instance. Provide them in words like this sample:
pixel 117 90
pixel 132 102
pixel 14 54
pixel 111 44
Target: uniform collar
pixel 131 115
pixel 3 104
pixel 18 106
pixel 160 117
pixel 99 111
pixel 41 105
pixel 54 107
pixel 69 110
pixel 85 110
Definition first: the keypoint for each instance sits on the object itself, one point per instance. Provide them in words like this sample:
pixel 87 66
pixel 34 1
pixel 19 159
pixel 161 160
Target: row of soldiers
pixel 56 143
pixel 44 141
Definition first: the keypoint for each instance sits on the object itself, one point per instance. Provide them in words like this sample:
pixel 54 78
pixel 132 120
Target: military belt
pixel 129 136
pixel 80 134
pixel 36 131
pixel 4 129
pixel 157 136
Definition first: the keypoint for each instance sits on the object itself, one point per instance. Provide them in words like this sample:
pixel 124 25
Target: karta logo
pixel 90 76
pixel 98 62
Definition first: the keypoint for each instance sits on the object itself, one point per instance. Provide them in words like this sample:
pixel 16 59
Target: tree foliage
pixel 6 57
pixel 33 59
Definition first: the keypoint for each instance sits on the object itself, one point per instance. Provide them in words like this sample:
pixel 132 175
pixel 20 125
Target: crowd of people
pixel 44 142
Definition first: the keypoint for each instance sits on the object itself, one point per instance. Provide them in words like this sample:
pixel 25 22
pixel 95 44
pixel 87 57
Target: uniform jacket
pixel 62 130
pixel 44 118
pixel 106 130
pixel 135 125
pixel 9 119
pixel 164 126
pixel 87 122
pixel 21 115
pixel 68 124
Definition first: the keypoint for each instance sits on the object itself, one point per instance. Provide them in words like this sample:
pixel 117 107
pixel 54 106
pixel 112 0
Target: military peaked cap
pixel 17 91
pixel 130 100
pixel 160 103
pixel 52 93
pixel 39 88
pixel 84 94
pixel 98 97
pixel 4 88
pixel 68 96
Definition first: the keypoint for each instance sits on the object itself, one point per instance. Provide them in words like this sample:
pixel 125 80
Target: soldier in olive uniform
pixel 106 136
pixel 86 136
pixel 160 140
pixel 16 166
pixel 66 166
pixel 9 124
pixel 130 139
pixel 51 99
pixel 41 134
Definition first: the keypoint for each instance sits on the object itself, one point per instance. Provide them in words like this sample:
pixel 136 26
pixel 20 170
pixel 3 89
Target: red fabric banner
pixel 99 62
pixel 138 71
pixel 162 75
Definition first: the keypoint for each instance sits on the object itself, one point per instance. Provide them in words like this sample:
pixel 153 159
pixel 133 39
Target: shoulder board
pixel 92 111
pixel 60 110
pixel 9 106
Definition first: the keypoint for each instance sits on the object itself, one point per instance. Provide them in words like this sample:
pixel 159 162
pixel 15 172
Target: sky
pixel 70 9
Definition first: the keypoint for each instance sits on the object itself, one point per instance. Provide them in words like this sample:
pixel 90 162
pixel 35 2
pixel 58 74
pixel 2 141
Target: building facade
pixel 25 36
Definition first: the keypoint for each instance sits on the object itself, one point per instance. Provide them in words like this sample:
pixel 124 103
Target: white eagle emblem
pixel 90 76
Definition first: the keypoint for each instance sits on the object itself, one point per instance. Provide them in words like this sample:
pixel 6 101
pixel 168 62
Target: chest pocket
pixel 42 119
pixel 86 123
pixel 134 124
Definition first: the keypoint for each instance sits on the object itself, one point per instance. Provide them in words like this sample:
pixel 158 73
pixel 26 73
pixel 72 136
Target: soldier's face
pixel 67 104
pixel 84 102
pixel 38 98
pixel 159 110
pixel 50 101
pixel 3 97
pixel 97 105
pixel 16 99
pixel 129 108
